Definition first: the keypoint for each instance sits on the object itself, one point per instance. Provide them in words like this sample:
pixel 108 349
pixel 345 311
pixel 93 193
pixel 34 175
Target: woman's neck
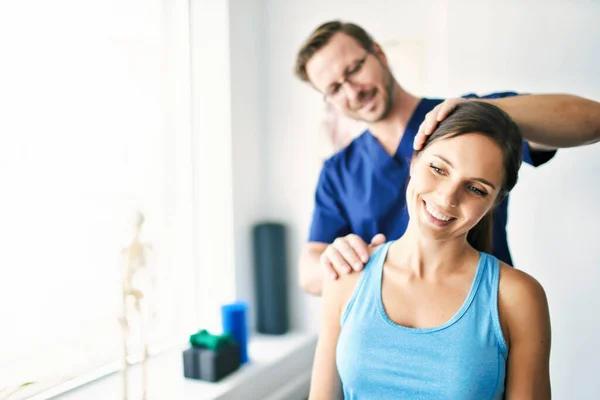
pixel 424 257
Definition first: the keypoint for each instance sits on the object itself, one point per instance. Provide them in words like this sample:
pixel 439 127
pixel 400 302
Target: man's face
pixel 357 82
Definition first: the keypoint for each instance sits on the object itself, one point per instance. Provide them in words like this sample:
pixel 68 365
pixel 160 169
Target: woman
pixel 432 315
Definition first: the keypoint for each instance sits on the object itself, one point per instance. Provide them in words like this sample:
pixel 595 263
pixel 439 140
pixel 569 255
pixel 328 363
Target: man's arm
pixel 311 273
pixel 552 121
pixel 547 121
pixel 523 307
pixel 328 222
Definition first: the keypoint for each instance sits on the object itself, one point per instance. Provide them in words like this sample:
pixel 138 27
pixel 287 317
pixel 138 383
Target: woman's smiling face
pixel 455 182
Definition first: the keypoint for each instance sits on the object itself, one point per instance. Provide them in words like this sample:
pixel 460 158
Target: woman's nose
pixel 448 195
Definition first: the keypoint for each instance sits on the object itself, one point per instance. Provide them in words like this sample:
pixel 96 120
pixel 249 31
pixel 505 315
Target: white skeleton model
pixel 139 290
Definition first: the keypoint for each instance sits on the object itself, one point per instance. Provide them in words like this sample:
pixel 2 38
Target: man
pixel 361 191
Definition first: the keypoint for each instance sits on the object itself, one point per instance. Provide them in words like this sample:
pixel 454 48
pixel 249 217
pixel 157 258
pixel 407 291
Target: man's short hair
pixel 321 36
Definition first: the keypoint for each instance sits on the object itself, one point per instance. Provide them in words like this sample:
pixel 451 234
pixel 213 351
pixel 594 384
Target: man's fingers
pixel 419 141
pixel 378 239
pixel 347 253
pixel 427 127
pixel 361 249
pixel 337 258
pixel 350 249
pixel 433 118
pixel 431 124
pixel 446 108
pixel 329 270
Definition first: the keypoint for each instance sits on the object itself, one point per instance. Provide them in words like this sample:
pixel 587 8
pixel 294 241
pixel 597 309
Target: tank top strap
pixel 364 298
pixel 493 267
pixel 487 298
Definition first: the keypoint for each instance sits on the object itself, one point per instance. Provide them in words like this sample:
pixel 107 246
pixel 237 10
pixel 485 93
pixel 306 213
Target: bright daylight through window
pixel 86 141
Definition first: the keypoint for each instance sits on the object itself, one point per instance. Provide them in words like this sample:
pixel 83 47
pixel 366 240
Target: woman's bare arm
pixel 325 381
pixel 526 321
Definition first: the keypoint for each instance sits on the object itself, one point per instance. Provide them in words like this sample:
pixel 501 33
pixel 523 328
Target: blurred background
pixel 189 111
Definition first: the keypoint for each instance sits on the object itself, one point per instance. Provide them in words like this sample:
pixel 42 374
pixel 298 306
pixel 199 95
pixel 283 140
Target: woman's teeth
pixel 436 213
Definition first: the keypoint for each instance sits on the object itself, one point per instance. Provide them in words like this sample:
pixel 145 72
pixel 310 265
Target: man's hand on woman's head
pixel 433 118
pixel 348 253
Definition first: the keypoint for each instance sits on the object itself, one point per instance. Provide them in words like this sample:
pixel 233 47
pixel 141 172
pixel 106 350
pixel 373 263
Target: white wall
pixel 211 116
pixel 247 129
pixel 478 46
pixel 227 119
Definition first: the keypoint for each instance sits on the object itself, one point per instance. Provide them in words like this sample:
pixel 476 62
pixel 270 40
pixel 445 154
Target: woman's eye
pixel 436 169
pixel 478 192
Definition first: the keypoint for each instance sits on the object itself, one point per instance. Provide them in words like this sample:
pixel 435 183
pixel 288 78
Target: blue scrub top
pixel 362 189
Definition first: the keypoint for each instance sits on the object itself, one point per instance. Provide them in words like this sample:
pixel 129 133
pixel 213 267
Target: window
pixel 95 126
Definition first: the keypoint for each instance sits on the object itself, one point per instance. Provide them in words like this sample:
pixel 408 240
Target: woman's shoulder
pixel 341 290
pixel 518 285
pixel 521 299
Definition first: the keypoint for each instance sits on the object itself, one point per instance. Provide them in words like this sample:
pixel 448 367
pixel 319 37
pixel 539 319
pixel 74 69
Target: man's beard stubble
pixel 388 98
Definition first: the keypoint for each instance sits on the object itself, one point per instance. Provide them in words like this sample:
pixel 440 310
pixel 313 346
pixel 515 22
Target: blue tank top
pixel 465 358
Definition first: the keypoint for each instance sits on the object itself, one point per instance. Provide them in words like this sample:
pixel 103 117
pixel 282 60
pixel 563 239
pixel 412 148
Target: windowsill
pixel 279 367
